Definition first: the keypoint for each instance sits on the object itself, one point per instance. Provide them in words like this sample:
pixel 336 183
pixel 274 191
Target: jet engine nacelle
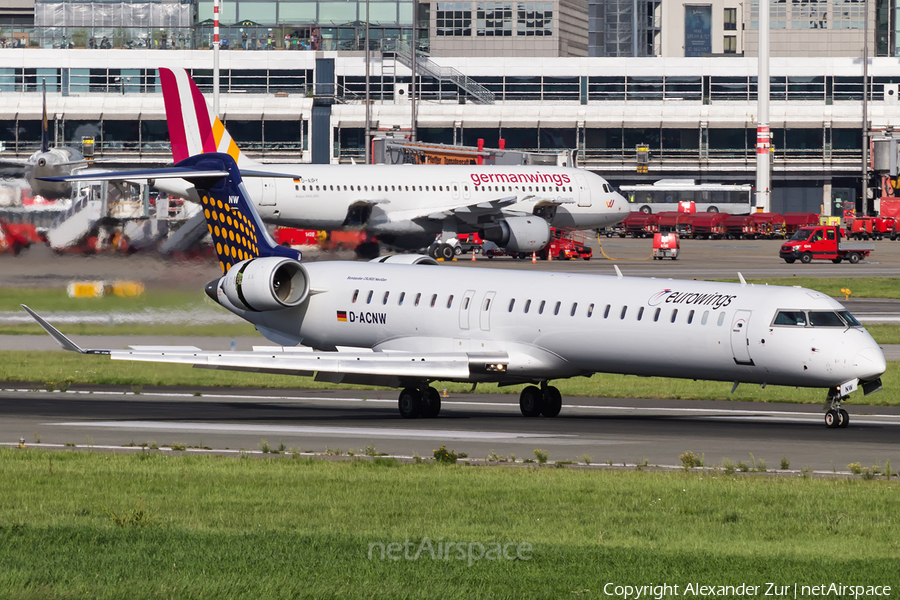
pixel 271 283
pixel 519 234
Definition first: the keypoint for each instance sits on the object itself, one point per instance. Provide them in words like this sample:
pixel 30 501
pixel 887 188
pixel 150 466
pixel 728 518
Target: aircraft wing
pixel 349 365
pixel 468 213
pixel 169 173
pixel 5 162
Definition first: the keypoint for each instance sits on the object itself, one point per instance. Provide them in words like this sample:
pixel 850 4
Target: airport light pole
pixel 412 88
pixel 368 133
pixel 763 156
pixel 216 58
pixel 865 111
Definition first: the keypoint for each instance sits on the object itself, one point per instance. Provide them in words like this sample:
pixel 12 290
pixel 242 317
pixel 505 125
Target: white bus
pixel 665 195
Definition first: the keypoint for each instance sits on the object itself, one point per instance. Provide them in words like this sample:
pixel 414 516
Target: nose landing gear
pixel 545 400
pixel 835 416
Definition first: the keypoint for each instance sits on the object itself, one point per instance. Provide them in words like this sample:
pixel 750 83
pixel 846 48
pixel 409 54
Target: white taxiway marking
pixel 297 430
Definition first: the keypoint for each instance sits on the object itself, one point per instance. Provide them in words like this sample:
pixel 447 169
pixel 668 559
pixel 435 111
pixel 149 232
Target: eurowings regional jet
pixel 404 321
pixel 405 206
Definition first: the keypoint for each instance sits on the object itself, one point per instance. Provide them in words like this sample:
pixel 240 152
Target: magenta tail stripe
pixel 172 102
pixel 203 121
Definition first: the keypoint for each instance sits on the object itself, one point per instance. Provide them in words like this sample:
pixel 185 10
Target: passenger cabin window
pixel 590 310
pixel 355 296
pixel 418 297
pixel 512 303
pixel 606 312
pixel 624 310
pixel 433 300
pixel 385 299
pixel 369 297
pixel 656 315
pixel 690 317
pixel 574 308
pixel 556 308
pixel 541 307
pixel 450 301
pixel 487 304
pixel 640 313
pixel 705 317
pixel 527 305
pixel 400 299
pixel 721 319
pixel 674 314
pixel 466 304
pixel 791 318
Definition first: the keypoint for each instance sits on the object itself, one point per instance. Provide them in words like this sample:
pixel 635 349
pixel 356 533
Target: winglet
pixel 61 339
pixel 741 277
pixel 618 271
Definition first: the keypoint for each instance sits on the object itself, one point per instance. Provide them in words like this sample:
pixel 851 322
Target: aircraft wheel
pixel 431 405
pixel 853 258
pixel 433 250
pixel 410 403
pixel 844 420
pixel 530 401
pixel 552 402
pixel 445 251
pixel 832 419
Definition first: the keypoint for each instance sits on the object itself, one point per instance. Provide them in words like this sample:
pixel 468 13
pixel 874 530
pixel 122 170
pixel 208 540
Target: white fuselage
pixel 555 325
pixel 419 199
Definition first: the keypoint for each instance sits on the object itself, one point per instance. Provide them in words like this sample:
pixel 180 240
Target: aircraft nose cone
pixel 870 364
pixel 621 204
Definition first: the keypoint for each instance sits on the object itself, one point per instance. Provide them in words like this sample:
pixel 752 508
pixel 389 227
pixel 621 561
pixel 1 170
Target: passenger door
pixel 740 340
pixel 269 191
pixel 584 190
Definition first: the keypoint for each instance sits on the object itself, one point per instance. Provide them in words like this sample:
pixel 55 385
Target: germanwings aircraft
pixel 404 321
pixel 404 206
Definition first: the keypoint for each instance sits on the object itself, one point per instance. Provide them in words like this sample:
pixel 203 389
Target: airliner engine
pixel 519 234
pixel 261 284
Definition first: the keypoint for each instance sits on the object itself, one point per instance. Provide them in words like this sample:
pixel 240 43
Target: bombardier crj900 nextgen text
pixel 404 206
pixel 403 321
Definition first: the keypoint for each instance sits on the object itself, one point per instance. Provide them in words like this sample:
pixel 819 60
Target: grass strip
pixel 154 525
pixel 861 287
pixel 56 299
pixel 237 329
pixel 62 369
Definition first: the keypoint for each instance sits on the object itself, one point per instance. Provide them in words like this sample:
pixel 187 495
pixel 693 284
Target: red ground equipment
pixel 822 242
pixel 288 236
pixel 567 244
pixel 15 237
pixel 708 225
pixel 665 245
pixel 794 221
pixel 639 224
pixel 769 225
pixel 741 227
pixel 675 222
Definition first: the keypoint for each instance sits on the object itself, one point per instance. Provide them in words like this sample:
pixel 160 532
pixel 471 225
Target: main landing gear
pixel 835 416
pixel 545 400
pixel 416 402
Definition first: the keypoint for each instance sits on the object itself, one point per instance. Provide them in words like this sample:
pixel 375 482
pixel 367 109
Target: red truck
pixel 822 242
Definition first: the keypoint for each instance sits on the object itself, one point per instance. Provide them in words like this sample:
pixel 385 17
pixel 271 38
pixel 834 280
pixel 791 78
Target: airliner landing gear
pixel 545 400
pixel 835 415
pixel 419 403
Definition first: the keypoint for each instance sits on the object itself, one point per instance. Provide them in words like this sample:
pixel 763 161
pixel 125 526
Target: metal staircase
pixel 71 227
pixel 425 66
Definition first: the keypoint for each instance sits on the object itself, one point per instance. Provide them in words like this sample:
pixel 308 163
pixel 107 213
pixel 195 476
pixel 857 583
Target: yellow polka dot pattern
pixel 235 236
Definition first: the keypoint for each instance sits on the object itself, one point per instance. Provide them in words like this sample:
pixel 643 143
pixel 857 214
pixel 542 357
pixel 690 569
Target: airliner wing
pixel 467 213
pixel 5 162
pixel 350 365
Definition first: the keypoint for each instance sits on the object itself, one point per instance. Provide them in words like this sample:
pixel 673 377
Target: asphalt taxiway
pixel 606 429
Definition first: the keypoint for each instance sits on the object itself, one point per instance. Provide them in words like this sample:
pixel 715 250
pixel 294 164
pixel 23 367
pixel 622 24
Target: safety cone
pixel 534 258
pixel 473 255
pixel 549 255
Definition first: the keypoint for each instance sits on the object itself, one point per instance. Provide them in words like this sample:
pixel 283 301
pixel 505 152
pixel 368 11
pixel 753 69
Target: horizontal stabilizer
pixel 169 173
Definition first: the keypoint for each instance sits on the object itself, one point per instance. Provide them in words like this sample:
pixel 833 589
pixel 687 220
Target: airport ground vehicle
pixel 15 237
pixel 468 242
pixel 289 236
pixel 666 194
pixel 567 244
pixel 822 242
pixel 665 245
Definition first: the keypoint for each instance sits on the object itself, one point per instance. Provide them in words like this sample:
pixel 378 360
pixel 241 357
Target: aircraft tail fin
pixel 45 134
pixel 193 128
pixel 236 228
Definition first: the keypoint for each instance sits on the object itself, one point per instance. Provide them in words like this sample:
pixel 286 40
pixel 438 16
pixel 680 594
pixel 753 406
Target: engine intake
pixel 519 234
pixel 262 284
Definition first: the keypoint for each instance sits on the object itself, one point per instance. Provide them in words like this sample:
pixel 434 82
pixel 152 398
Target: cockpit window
pixel 850 319
pixel 796 318
pixel 825 318
pixel 802 234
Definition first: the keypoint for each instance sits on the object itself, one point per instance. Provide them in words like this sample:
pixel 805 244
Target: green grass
pixel 56 299
pixel 236 329
pixel 41 367
pixel 862 287
pixel 81 525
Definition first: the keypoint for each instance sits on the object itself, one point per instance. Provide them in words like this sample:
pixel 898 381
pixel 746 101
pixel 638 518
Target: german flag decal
pixel 342 315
